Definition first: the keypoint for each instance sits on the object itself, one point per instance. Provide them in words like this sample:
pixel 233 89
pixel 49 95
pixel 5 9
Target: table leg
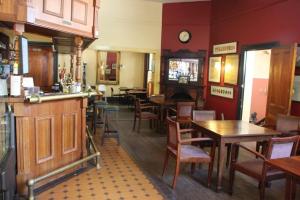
pixel 161 121
pixel 221 159
pixel 290 188
pixel 94 119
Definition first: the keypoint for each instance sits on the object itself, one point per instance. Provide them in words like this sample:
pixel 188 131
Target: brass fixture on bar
pixel 40 99
pixel 32 182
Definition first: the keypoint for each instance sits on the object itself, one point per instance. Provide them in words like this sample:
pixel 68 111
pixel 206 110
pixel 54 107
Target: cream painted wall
pixel 262 64
pixel 89 57
pixel 131 26
pixel 131 73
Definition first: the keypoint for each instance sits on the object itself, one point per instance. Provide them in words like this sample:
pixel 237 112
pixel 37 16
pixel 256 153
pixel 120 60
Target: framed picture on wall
pixel 214 73
pixel 231 69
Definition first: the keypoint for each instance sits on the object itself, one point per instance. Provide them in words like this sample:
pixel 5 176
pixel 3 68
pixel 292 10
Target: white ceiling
pixel 176 1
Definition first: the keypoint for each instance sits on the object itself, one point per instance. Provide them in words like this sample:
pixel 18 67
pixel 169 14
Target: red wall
pixel 192 16
pixel 245 21
pixel 251 22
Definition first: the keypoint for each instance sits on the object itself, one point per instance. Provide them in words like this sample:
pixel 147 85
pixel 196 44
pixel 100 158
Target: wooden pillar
pixel 18 30
pixel 73 64
pixel 78 44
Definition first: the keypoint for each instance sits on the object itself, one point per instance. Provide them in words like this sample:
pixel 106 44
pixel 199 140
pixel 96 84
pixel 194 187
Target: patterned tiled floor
pixel 119 178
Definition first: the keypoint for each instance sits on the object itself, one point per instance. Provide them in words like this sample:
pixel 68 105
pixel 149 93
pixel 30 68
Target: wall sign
pixel 214 73
pixel 231 69
pixel 225 48
pixel 226 92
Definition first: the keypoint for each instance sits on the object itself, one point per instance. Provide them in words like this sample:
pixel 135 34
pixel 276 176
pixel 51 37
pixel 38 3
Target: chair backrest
pixel 173 133
pixel 137 106
pixel 282 147
pixel 157 96
pixel 222 116
pixel 184 110
pixel 287 123
pixel 204 115
pixel 112 91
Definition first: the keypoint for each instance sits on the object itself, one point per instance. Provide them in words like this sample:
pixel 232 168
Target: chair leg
pixel 176 173
pixel 210 171
pixel 262 190
pixel 264 148
pixel 139 125
pixel 193 168
pixel 165 162
pixel 257 146
pixel 94 120
pixel 134 122
pixel 228 155
pixel 231 179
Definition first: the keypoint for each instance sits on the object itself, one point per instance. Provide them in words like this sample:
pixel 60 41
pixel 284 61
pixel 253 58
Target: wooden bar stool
pixel 98 113
pixel 109 131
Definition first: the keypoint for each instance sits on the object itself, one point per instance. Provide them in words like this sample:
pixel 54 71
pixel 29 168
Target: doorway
pixel 257 66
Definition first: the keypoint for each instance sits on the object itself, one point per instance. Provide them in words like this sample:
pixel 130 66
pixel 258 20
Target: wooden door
pixel 281 79
pixel 41 66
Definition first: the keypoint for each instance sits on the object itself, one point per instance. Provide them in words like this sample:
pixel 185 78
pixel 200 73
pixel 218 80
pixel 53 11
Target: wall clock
pixel 184 36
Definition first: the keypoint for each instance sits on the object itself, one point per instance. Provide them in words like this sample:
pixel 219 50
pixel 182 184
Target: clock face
pixel 184 36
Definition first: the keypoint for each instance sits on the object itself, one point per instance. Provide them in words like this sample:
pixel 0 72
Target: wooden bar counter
pixel 49 134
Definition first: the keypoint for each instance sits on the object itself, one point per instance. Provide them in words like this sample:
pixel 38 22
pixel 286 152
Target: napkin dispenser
pixel 3 87
pixel 15 85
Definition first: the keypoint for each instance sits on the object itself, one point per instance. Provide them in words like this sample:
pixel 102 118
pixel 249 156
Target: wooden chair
pixel 204 115
pixel 117 96
pixel 257 167
pixel 183 112
pixel 143 112
pixel 286 124
pixel 182 151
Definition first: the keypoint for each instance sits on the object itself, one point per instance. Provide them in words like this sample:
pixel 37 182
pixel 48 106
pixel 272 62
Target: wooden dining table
pixel 229 132
pixel 291 166
pixel 163 104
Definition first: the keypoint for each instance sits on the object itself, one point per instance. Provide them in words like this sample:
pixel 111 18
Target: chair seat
pixel 254 168
pixel 181 120
pixel 190 152
pixel 149 115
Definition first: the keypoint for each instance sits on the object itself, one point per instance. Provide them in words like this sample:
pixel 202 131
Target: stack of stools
pixel 98 113
pixel 109 132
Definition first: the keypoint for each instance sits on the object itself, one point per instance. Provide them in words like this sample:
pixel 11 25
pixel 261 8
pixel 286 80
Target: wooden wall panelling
pixel 44 139
pixel 23 152
pixel 69 133
pixel 54 7
pixel 96 20
pixel 83 107
pixel 79 11
pixel 49 135
pixel 82 15
pixel 8 10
